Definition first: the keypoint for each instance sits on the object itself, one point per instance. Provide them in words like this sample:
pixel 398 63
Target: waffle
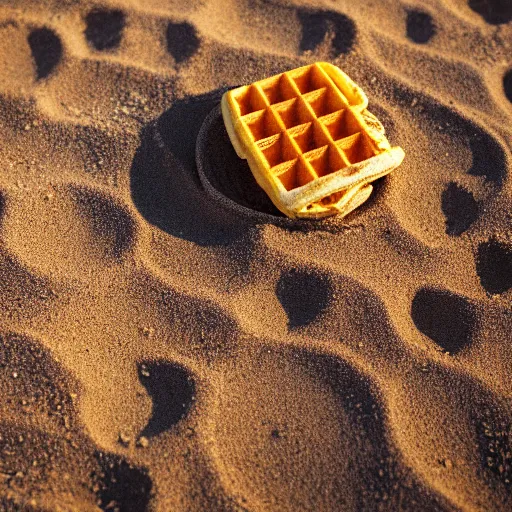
pixel 309 140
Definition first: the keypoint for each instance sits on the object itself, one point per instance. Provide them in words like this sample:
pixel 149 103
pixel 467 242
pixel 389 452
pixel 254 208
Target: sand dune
pixel 169 341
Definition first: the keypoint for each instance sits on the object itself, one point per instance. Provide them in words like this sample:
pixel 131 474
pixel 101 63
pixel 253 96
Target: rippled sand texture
pixel 167 348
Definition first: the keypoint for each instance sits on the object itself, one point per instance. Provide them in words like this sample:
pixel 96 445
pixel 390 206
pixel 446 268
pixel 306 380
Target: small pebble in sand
pixel 144 371
pixel 124 439
pixel 447 463
pixel 143 442
pixel 148 331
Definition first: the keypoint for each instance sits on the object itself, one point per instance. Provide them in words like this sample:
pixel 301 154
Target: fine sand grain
pixel 166 346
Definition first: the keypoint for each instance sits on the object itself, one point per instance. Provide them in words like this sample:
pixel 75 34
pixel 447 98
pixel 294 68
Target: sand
pixel 174 346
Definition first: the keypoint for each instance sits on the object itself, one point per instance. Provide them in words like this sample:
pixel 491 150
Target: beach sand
pixel 169 347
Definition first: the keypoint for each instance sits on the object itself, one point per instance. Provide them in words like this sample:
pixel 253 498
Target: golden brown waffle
pixel 309 140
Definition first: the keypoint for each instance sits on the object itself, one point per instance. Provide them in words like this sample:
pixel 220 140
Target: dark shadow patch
pixel 122 486
pixel 182 41
pixel 110 221
pixel 163 178
pixel 420 26
pixel 494 266
pixel 459 207
pixel 446 318
pixel 172 390
pixel 104 28
pixel 46 49
pixel 507 84
pixel 319 26
pixel 494 12
pixel 304 295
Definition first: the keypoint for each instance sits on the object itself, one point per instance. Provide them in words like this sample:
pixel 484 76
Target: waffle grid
pixel 303 126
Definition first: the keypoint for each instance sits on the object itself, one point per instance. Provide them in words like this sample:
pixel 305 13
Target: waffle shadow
pixel 304 295
pixel 163 178
pixel 446 318
pixel 46 49
pixel 104 28
pixel 494 266
pixel 317 26
pixel 172 391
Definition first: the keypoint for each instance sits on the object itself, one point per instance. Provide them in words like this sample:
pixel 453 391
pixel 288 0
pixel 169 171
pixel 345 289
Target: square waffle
pixel 309 140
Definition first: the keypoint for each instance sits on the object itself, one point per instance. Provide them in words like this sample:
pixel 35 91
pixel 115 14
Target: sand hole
pixel 494 266
pixel 122 487
pixel 304 295
pixel 227 177
pixel 459 207
pixel 104 28
pixel 319 26
pixel 507 84
pixel 46 49
pixel 172 390
pixel 494 12
pixel 446 318
pixel 182 41
pixel 420 26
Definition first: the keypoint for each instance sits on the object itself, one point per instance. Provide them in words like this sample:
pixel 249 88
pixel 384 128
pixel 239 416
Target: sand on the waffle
pixel 165 346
